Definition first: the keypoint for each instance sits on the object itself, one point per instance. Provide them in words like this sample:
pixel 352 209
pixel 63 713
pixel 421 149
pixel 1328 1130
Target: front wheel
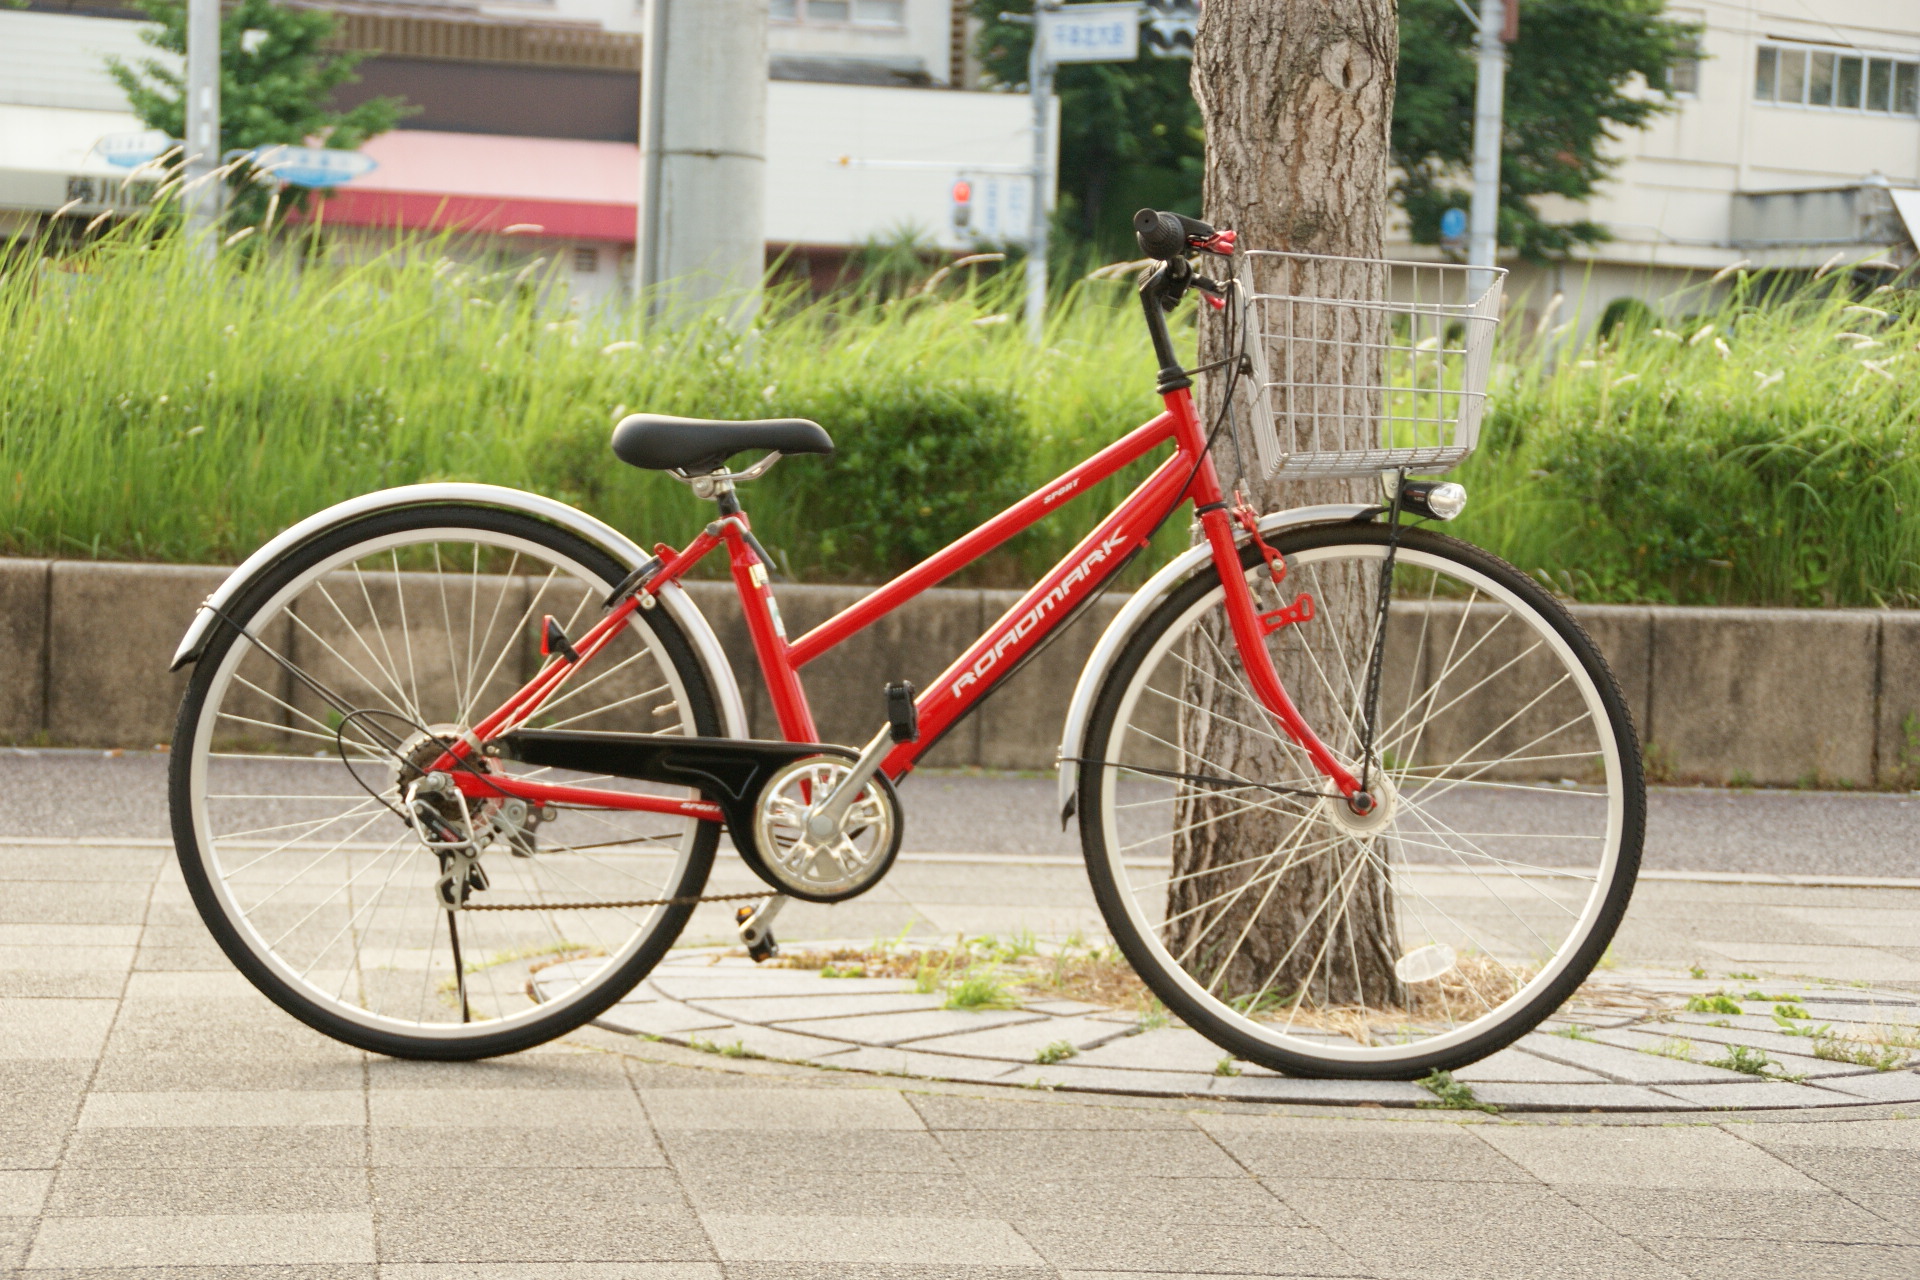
pixel 287 810
pixel 1440 927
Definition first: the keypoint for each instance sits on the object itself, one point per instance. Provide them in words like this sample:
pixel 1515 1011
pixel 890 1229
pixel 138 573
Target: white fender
pixel 1156 589
pixel 677 603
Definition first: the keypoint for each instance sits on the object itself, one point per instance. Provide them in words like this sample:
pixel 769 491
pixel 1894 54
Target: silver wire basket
pixel 1362 365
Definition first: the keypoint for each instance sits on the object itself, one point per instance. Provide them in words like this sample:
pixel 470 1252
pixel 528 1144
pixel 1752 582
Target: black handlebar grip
pixel 1167 235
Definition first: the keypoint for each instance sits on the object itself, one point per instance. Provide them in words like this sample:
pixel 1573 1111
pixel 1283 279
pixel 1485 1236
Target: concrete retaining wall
pixel 1770 696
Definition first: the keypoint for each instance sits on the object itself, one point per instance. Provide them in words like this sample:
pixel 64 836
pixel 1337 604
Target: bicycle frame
pixel 1186 474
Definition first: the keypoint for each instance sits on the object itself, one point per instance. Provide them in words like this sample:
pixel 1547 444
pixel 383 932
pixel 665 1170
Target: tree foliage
pixel 277 74
pixel 1129 131
pixel 1576 77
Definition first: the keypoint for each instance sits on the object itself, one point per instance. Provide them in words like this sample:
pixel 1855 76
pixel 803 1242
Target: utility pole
pixel 1498 25
pixel 202 190
pixel 1040 88
pixel 703 154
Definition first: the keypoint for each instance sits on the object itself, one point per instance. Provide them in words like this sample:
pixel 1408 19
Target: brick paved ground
pixel 157 1118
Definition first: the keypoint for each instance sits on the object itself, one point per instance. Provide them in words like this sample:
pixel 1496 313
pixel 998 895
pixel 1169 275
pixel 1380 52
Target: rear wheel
pixel 1479 895
pixel 286 811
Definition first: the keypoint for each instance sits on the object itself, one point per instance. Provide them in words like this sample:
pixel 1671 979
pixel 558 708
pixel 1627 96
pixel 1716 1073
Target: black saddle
pixel 699 446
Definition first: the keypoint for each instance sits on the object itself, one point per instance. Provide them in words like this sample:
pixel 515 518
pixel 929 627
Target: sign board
pixel 1453 225
pixel 997 206
pixel 1091 33
pixel 131 150
pixel 312 166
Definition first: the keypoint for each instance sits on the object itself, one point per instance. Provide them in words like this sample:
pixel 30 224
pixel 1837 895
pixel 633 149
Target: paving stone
pixel 1289 1089
pixel 1765 1093
pixel 1143 1197
pixel 195 1147
pixel 883 1271
pixel 1850 1170
pixel 1696 1158
pixel 1629 1065
pixel 203 1240
pixel 1065 1153
pixel 546 1146
pixel 1780 1260
pixel 106 1193
pixel 703 982
pixel 22 1191
pixel 1281 1147
pixel 1899 1134
pixel 1098 1241
pixel 932 1066
pixel 1503 1231
pixel 1070 1075
pixel 660 1018
pixel 839 1194
pixel 505 1108
pixel 889 1029
pixel 1745 1214
pixel 762 1110
pixel 865 1239
pixel 560 1215
pixel 1516 1066
pixel 54 1028
pixel 1162 1049
pixel 1020 1041
pixel 551 1271
pixel 875 1152
pixel 1877 1086
pixel 250 1108
pixel 1588 1097
pixel 951 1111
pixel 824 1004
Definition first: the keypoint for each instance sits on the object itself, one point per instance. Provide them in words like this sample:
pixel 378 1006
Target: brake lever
pixel 1212 290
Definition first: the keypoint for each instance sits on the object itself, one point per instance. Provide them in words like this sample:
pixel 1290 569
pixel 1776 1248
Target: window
pixel 1683 77
pixel 1800 77
pixel 861 13
pixel 586 260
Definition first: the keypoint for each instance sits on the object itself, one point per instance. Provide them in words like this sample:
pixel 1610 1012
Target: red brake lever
pixel 1221 243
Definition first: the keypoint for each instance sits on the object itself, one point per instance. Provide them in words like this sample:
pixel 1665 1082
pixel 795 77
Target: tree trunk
pixel 1297 96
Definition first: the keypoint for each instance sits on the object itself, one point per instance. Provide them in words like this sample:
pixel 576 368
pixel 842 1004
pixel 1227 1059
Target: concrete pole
pixel 703 146
pixel 1040 88
pixel 202 191
pixel 1483 222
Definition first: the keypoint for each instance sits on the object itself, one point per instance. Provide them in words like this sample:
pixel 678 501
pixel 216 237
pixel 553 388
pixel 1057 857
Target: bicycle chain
pixel 616 906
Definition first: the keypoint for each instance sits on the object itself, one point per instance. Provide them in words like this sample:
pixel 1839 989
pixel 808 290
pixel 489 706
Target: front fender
pixel 1156 589
pixel 677 603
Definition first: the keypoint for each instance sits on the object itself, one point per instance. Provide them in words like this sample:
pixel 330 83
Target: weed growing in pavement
pixel 1680 1049
pixel 1058 1051
pixel 1753 1062
pixel 1452 1095
pixel 1745 977
pixel 1787 1010
pixel 1226 1067
pixel 1860 1053
pixel 737 1049
pixel 1154 1016
pixel 1718 1002
pixel 1697 971
pixel 981 987
pixel 1575 1032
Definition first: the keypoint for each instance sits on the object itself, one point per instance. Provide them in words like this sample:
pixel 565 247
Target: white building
pixel 530 120
pixel 1796 142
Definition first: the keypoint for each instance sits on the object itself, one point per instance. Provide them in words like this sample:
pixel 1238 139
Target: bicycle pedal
pixel 762 948
pixel 903 716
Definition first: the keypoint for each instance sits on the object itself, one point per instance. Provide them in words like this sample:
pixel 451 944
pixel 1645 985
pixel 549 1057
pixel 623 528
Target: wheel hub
pixel 808 854
pixel 1385 804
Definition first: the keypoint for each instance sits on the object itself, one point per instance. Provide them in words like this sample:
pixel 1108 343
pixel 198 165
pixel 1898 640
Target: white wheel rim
pixel 260 947
pixel 1321 1047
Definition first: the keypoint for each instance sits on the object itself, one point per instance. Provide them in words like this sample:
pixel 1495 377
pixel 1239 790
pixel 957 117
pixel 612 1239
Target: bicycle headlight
pixel 1436 499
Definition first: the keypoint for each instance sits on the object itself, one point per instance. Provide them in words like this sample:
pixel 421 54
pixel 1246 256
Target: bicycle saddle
pixel 698 446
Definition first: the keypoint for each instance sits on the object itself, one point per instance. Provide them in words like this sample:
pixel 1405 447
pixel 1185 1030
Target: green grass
pixel 1764 452
pixel 1452 1095
pixel 981 987
pixel 1058 1051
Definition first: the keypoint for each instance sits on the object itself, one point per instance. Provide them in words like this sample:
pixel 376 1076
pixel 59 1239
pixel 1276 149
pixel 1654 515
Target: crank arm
pixel 834 807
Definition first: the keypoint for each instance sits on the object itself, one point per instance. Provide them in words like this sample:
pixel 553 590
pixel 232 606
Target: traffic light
pixel 1170 25
pixel 960 209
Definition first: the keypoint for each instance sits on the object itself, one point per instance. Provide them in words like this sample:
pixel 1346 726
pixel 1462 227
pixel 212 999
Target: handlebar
pixel 1165 236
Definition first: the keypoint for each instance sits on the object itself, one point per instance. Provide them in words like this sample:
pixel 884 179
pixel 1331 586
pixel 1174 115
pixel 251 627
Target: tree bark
pixel 1297 96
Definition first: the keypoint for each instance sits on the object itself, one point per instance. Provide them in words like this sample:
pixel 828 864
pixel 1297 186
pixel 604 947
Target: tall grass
pixel 155 408
pixel 1765 451
pixel 151 407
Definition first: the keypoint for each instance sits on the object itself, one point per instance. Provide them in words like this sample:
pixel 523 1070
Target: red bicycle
pixel 1356 798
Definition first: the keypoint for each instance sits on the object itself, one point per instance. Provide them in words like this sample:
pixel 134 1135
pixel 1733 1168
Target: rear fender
pixel 679 606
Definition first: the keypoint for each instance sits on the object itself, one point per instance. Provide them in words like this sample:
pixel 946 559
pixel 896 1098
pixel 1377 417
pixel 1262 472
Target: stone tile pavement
pixel 160 1119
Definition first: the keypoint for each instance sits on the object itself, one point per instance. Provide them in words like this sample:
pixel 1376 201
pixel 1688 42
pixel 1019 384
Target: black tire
pixel 279 600
pixel 1305 1046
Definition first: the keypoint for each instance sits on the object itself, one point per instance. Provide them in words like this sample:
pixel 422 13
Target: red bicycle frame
pixel 1187 473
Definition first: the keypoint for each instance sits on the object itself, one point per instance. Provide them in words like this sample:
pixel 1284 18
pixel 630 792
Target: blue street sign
pixel 1453 224
pixel 312 166
pixel 131 150
pixel 1092 33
